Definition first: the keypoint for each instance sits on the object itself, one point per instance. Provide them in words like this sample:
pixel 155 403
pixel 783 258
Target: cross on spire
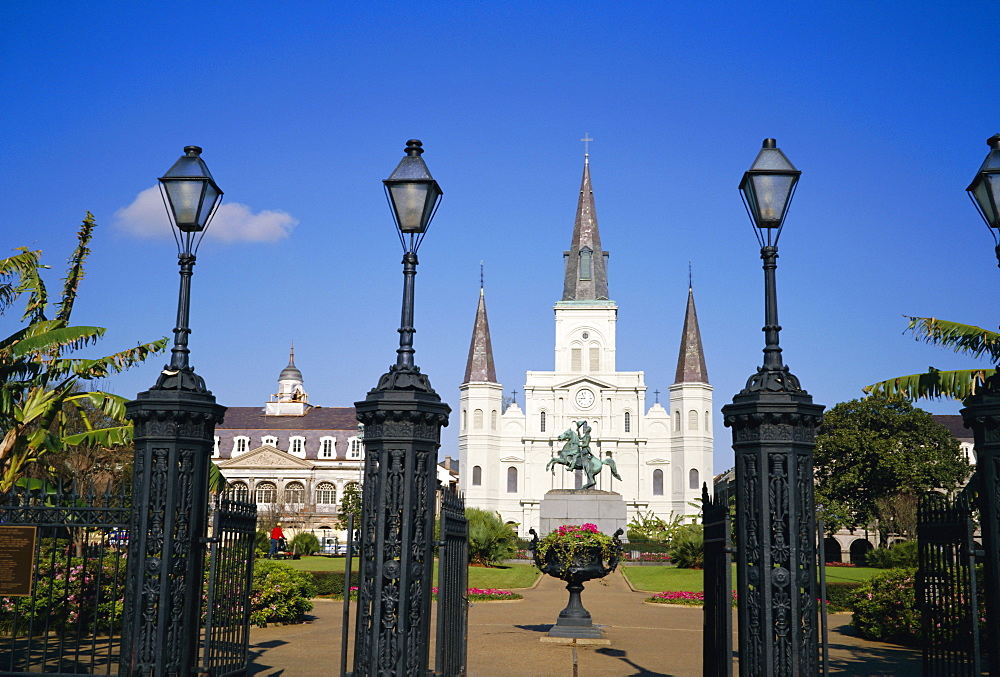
pixel 689 276
pixel 657 393
pixel 481 275
pixel 586 144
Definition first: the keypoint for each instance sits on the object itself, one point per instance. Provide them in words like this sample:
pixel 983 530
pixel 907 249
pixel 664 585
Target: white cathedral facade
pixel 663 454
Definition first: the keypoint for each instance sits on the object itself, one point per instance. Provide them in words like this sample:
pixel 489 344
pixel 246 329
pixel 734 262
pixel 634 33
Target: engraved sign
pixel 17 559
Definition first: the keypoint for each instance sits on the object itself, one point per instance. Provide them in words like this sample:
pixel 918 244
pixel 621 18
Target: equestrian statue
pixel 576 455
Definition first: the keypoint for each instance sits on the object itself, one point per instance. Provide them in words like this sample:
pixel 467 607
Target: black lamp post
pixel 174 437
pixel 402 419
pixel 982 414
pixel 774 421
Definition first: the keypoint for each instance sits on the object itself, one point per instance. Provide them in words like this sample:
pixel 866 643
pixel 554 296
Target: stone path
pixel 649 640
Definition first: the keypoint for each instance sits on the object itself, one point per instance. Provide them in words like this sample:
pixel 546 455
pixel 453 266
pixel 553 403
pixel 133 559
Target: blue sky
pixel 303 108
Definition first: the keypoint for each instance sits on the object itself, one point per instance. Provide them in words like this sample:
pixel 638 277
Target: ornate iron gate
pixel 717 643
pixel 70 620
pixel 946 587
pixel 453 584
pixel 230 575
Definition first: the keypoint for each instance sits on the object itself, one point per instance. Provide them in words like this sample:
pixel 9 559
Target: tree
pixel 934 383
pixel 490 540
pixel 350 504
pixel 872 453
pixel 38 380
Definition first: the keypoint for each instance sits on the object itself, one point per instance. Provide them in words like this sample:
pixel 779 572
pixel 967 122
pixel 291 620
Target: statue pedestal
pixel 606 509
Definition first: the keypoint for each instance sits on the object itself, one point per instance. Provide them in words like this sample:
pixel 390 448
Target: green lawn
pixel 505 577
pixel 662 578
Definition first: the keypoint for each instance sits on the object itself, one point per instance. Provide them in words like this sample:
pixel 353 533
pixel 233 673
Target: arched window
pixel 295 493
pixel 657 482
pixel 240 492
pixel 493 420
pixel 241 445
pixel 477 419
pixel 693 481
pixel 628 422
pixel 327 447
pixel 595 358
pixel 464 422
pixel 541 422
pixel 326 493
pixel 576 359
pixel 512 480
pixel 677 421
pixel 297 446
pixel 707 419
pixel 692 420
pixel 265 493
pixel 477 476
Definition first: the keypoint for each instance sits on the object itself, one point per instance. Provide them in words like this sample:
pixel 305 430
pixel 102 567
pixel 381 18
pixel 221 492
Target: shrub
pixel 490 540
pixel 687 550
pixel 839 596
pixel 331 583
pixel 885 607
pixel 279 594
pixel 262 544
pixel 900 556
pixel 305 544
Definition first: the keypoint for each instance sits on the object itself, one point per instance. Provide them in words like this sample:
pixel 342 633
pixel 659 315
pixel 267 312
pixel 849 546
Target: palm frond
pixel 107 403
pixel 932 385
pixel 111 364
pixel 71 283
pixel 101 437
pixel 962 338
pixel 25 268
pixel 49 337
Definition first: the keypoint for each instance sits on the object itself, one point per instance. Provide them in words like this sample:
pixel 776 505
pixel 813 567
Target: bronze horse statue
pixel 575 455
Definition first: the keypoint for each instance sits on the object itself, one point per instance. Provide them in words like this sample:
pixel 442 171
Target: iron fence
pixel 230 576
pixel 70 620
pixel 717 642
pixel 453 583
pixel 946 587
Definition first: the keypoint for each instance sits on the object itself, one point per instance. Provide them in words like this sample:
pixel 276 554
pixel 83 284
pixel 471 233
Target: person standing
pixel 277 535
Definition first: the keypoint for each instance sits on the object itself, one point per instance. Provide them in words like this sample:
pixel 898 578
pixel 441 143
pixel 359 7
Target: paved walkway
pixel 648 640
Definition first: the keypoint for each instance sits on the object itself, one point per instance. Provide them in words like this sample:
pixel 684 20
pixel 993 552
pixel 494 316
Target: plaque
pixel 17 560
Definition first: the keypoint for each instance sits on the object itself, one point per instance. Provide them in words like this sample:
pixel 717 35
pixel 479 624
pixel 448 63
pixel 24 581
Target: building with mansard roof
pixel 292 458
pixel 663 454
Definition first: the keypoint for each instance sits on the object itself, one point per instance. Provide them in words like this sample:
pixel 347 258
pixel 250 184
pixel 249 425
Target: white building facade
pixel 663 454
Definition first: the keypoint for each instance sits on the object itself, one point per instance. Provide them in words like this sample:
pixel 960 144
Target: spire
pixel 691 358
pixel 480 365
pixel 586 263
pixel 291 372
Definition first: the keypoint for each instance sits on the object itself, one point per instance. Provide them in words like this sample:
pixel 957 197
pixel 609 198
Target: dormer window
pixel 269 439
pixel 297 446
pixel 241 445
pixel 326 447
pixel 586 263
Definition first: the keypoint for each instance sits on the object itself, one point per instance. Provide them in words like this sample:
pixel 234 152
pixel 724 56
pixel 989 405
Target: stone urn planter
pixel 575 563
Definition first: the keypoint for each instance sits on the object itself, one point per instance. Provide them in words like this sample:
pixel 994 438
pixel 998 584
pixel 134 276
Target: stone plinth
pixel 606 509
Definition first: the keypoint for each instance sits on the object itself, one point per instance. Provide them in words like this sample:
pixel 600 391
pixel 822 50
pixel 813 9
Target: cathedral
pixel 662 455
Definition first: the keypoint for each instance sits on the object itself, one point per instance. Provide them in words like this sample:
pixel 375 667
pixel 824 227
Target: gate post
pixel 174 438
pixel 774 422
pixel 982 414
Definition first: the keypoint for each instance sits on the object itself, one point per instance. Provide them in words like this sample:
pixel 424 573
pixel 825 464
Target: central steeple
pixel 586 263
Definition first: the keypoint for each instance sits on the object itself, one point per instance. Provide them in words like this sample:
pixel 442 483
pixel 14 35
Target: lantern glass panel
pixel 986 192
pixel 770 197
pixel 410 200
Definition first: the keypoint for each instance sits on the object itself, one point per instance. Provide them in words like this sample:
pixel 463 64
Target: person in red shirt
pixel 276 535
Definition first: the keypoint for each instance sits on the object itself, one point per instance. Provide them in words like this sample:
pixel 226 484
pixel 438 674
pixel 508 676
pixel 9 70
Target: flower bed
pixel 683 597
pixel 473 594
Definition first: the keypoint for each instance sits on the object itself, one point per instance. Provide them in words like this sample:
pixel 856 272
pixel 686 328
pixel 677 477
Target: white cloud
pixel 233 222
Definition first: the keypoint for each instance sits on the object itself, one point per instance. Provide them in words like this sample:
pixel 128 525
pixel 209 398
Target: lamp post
pixel 174 437
pixel 402 418
pixel 774 421
pixel 982 414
